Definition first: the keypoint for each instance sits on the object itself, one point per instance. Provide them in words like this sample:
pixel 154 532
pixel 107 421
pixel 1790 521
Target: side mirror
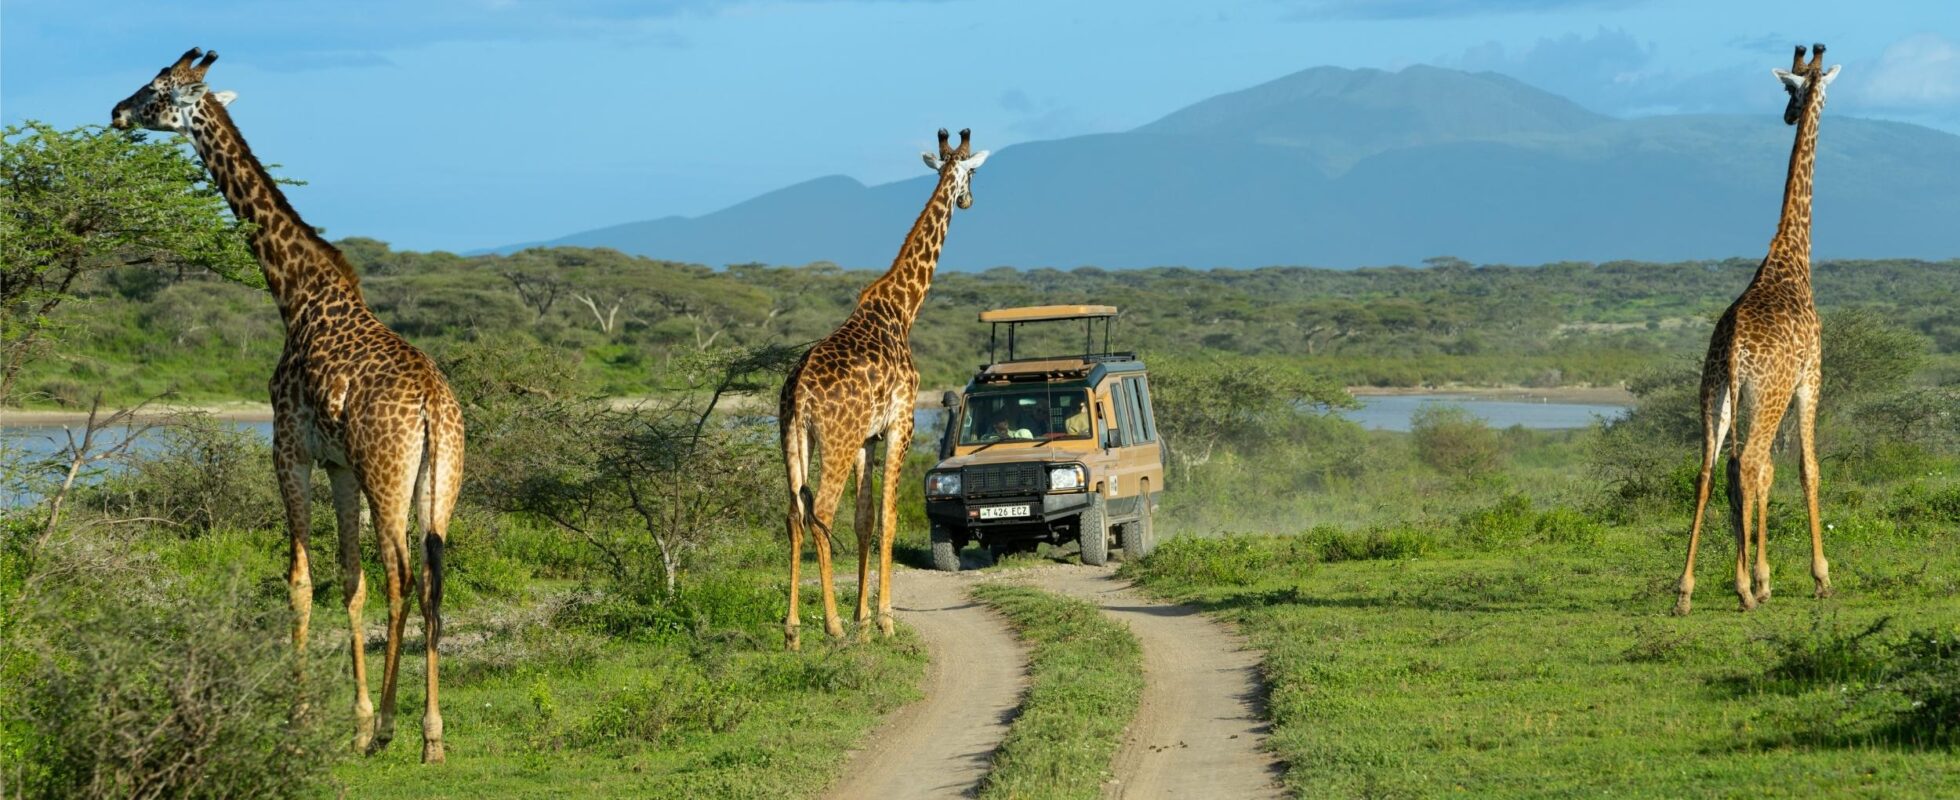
pixel 948 437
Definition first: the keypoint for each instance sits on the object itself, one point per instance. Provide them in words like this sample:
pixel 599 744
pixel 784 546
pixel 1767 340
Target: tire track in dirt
pixel 1198 731
pixel 943 744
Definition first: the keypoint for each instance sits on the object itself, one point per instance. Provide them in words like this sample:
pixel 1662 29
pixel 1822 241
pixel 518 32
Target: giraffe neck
pixel 302 270
pixel 1790 250
pixel 902 289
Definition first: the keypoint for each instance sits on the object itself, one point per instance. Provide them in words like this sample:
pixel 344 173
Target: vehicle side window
pixel 1139 400
pixel 1121 431
pixel 1149 414
pixel 1132 423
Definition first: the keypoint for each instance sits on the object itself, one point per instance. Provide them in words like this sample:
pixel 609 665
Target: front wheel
pixel 945 551
pixel 1140 537
pixel 1092 530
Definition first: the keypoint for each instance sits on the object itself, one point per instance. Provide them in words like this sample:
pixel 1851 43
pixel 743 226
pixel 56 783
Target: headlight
pixel 943 484
pixel 1066 478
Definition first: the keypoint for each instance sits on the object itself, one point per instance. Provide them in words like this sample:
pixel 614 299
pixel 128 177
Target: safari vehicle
pixel 1048 448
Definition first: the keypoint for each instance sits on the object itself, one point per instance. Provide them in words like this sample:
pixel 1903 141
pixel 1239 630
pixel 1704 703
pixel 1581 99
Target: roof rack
pixel 1013 318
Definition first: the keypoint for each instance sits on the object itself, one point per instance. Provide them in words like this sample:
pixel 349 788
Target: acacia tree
pixel 79 201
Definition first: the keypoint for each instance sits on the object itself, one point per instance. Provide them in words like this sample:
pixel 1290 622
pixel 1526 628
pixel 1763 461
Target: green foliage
pixel 1925 669
pixel 1239 403
pixel 1455 442
pixel 145 686
pixel 202 475
pixel 1867 355
pixel 1085 676
pixel 83 201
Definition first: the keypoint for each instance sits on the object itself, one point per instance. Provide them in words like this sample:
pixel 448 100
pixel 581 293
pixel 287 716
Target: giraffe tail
pixel 796 451
pixel 432 539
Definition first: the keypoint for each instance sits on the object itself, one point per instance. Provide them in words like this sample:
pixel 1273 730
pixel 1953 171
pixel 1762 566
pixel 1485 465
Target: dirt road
pixel 942 745
pixel 1198 731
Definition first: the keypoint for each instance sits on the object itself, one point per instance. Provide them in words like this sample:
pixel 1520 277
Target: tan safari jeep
pixel 1049 448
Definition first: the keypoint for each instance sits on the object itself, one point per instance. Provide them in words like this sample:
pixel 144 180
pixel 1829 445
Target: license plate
pixel 1003 512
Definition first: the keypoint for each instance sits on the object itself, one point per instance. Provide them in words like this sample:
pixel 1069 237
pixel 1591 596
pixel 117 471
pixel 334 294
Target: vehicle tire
pixel 1092 530
pixel 1139 537
pixel 945 552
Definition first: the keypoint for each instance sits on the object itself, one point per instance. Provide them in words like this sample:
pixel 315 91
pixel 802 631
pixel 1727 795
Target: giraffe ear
pixel 932 162
pixel 1828 76
pixel 1790 79
pixel 974 161
pixel 224 98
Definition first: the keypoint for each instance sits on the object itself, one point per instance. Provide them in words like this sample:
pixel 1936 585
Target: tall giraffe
pixel 857 386
pixel 1767 349
pixel 348 394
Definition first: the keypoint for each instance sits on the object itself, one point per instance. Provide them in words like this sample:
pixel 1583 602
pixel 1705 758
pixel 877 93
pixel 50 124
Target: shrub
pixel 1332 544
pixel 1925 668
pixel 203 475
pixel 153 688
pixel 1456 443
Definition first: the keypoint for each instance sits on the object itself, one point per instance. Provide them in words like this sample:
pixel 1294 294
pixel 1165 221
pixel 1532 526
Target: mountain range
pixel 1352 167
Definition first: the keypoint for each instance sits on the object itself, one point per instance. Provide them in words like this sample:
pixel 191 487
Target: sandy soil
pixel 942 745
pixel 1199 731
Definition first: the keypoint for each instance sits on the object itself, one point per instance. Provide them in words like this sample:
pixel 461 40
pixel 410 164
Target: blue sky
pixel 462 124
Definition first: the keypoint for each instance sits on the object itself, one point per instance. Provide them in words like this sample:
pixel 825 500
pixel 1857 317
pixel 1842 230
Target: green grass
pixel 648 720
pixel 1085 677
pixel 1546 665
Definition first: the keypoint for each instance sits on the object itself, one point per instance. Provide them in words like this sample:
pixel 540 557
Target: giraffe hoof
pixel 1762 596
pixel 1748 604
pixel 834 630
pixel 1825 591
pixel 792 640
pixel 1681 607
pixel 885 625
pixel 380 743
pixel 363 734
pixel 432 752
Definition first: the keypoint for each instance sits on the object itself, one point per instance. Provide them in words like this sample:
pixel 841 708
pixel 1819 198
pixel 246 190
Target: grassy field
pixel 1526 650
pixel 1085 676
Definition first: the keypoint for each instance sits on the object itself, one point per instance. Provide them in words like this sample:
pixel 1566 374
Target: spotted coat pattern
pixel 349 395
pixel 1765 352
pixel 855 387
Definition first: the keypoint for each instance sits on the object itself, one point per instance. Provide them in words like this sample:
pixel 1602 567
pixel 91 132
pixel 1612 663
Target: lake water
pixel 1377 412
pixel 1394 412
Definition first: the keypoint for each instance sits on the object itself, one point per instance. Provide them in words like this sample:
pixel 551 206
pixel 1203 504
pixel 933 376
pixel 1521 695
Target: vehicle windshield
pixel 1036 413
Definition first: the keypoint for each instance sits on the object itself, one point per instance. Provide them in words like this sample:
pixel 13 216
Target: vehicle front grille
pixel 995 480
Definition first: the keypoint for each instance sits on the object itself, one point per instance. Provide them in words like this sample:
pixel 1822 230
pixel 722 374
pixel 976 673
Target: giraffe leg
pixel 864 522
pixel 1761 572
pixel 1744 498
pixel 295 473
pixel 1755 479
pixel 436 494
pixel 1715 428
pixel 830 490
pixel 389 487
pixel 1820 570
pixel 1759 475
pixel 796 459
pixel 898 441
pixel 353 593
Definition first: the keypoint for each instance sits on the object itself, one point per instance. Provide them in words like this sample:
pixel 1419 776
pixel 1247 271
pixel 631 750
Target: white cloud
pixel 1919 72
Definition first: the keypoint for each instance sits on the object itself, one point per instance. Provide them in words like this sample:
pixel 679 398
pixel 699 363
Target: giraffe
pixel 857 386
pixel 1766 351
pixel 348 394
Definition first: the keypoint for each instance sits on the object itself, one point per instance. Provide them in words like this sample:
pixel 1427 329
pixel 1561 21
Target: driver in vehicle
pixel 1003 429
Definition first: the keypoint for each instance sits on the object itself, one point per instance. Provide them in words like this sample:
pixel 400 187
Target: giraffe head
pixel 1804 80
pixel 958 164
pixel 167 103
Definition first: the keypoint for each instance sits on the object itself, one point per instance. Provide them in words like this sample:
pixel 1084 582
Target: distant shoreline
pixel 242 411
